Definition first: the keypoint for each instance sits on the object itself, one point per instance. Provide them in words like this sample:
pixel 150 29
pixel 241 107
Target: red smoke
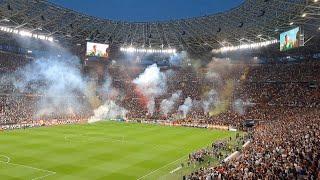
pixel 143 100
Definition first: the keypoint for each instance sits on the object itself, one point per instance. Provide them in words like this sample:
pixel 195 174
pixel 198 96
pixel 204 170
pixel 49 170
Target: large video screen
pixel 290 39
pixel 97 50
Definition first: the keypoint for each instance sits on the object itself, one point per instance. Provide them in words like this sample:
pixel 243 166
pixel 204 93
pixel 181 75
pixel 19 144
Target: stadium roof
pixel 252 21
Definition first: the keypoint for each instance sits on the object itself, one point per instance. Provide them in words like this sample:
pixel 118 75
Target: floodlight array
pixel 245 46
pixel 147 50
pixel 25 33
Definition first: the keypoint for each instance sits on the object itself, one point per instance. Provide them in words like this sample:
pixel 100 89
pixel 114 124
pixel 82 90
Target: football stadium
pixel 150 89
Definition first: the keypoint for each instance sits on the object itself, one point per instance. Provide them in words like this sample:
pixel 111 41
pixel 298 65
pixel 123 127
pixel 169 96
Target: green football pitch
pixel 108 150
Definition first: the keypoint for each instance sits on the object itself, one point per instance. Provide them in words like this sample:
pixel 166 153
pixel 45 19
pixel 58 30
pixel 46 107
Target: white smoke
pixel 167 105
pixel 57 80
pixel 239 106
pixel 210 100
pixel 178 58
pixel 61 89
pixel 152 84
pixel 106 91
pixel 110 110
pixel 186 107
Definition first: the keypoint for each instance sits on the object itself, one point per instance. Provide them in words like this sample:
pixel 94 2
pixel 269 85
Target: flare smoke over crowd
pixel 59 87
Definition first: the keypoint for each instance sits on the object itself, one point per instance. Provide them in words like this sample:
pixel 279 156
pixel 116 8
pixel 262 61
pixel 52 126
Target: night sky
pixel 148 10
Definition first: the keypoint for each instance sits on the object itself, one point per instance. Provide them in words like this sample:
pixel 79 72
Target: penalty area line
pixel 161 168
pixel 41 177
pixel 50 173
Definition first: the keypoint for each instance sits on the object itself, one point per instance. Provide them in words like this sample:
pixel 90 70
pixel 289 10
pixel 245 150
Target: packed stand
pixel 285 143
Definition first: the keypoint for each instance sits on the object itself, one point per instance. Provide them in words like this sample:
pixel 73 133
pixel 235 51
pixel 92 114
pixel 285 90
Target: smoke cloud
pixel 57 80
pixel 110 110
pixel 239 106
pixel 152 84
pixel 167 105
pixel 61 89
pixel 178 58
pixel 186 107
pixel 210 101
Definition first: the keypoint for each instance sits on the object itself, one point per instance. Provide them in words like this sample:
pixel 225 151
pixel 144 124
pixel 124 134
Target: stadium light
pixel 131 49
pixel 25 33
pixel 245 46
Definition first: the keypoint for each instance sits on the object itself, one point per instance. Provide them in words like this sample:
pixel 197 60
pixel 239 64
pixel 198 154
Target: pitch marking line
pixel 70 139
pixel 176 169
pixel 8 159
pixel 160 168
pixel 50 173
pixel 104 139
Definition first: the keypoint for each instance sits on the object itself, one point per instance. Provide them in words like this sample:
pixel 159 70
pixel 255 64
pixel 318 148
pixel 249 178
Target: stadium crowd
pixel 218 149
pixel 19 109
pixel 283 148
pixel 282 98
pixel 285 141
